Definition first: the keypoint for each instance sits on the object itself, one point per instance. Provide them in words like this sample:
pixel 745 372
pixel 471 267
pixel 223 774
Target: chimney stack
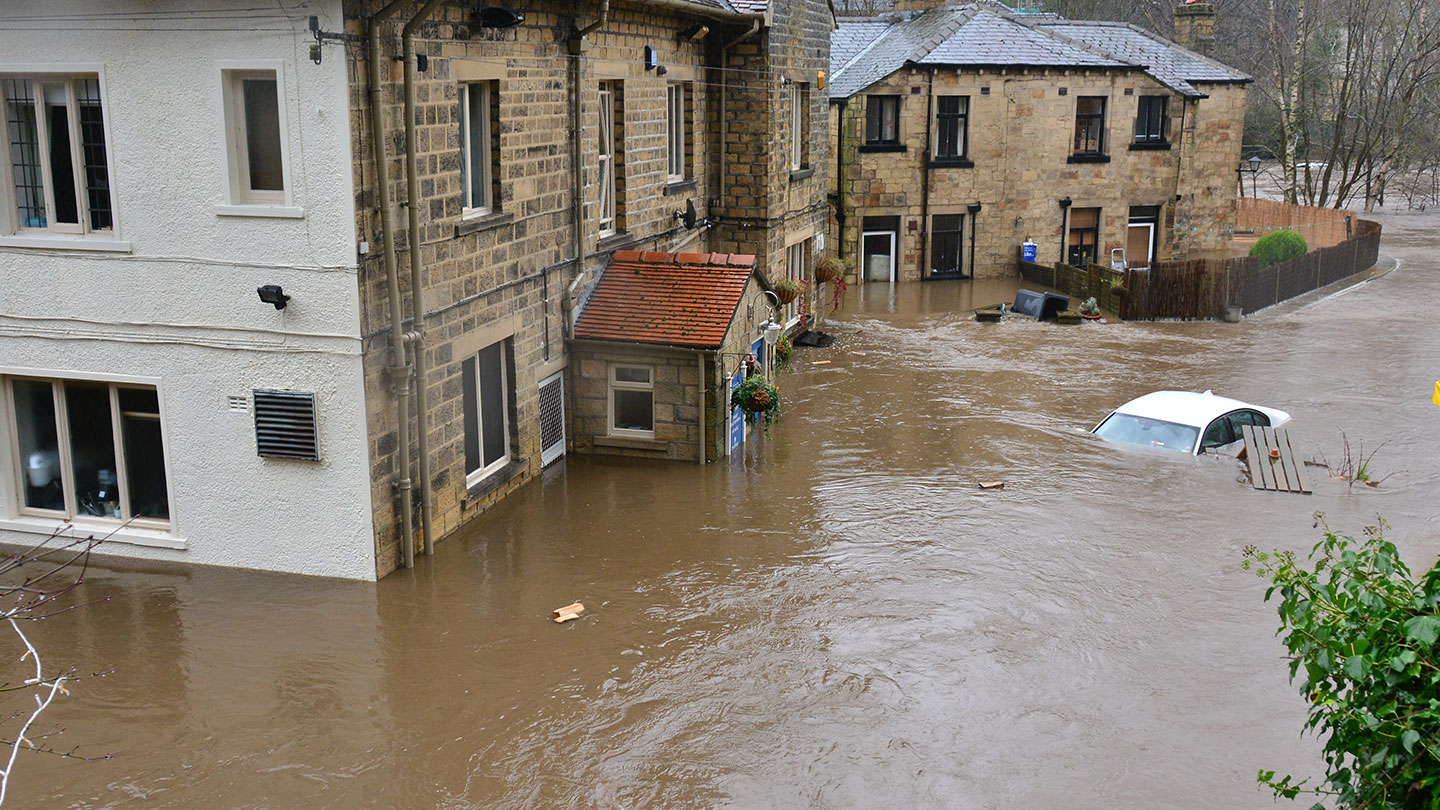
pixel 1195 27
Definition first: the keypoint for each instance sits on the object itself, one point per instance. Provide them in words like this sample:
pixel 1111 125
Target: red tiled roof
pixel 669 299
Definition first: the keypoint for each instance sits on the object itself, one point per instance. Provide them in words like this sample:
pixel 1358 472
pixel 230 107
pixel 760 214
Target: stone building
pixel 546 138
pixel 962 132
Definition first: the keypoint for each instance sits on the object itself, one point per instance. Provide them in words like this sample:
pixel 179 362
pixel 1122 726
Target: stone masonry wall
pixel 503 276
pixel 1021 130
pixel 676 376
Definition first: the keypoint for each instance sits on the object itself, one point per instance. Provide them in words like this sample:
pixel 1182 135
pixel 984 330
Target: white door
pixel 1139 240
pixel 877 250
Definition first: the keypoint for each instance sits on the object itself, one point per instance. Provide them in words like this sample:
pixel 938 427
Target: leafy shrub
pixel 757 397
pixel 1277 247
pixel 1362 635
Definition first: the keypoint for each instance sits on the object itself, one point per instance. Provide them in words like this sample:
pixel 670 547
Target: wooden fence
pixel 1203 288
pixel 1321 227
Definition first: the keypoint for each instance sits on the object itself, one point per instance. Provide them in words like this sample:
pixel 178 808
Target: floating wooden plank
pixel 992 484
pixel 820 363
pixel 566 617
pixel 573 607
pixel 1270 456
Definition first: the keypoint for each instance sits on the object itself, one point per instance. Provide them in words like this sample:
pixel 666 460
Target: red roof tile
pixel 668 299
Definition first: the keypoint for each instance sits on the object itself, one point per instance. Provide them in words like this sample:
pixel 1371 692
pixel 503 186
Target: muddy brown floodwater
pixel 839 618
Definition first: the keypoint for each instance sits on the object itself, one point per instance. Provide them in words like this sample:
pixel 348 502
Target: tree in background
pixel 1362 639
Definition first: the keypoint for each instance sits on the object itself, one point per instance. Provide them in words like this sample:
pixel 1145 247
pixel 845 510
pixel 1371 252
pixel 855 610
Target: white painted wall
pixel 180 306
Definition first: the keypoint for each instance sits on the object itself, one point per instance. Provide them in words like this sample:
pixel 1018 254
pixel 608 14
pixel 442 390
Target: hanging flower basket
pixel 757 399
pixel 831 269
pixel 785 290
pixel 784 348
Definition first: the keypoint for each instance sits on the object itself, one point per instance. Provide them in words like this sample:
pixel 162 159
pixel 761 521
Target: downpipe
pixel 417 290
pixel 577 47
pixel 398 371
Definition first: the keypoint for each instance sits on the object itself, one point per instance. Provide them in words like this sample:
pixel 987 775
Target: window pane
pixel 92 150
pixel 949 138
pixel 632 375
pixel 477 119
pixel 471 405
pixel 92 449
pixel 144 453
pixel 633 410
pixel 39 444
pixel 262 134
pixel 492 403
pixel 62 162
pixel 24 142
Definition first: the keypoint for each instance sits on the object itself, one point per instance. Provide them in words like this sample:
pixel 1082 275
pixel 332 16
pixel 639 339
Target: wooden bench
pixel 1272 461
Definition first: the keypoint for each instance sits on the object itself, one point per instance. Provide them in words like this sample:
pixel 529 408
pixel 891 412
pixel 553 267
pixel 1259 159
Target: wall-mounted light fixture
pixel 695 33
pixel 273 294
pixel 496 17
pixel 973 208
pixel 1064 202
pixel 652 59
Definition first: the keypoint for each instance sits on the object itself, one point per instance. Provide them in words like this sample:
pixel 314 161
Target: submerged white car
pixel 1185 421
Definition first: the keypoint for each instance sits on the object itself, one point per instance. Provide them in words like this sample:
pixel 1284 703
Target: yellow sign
pixel 1436 399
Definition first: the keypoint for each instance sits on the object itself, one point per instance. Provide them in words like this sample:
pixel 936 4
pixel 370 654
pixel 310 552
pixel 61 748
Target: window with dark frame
pixel 952 125
pixel 882 120
pixel 947 240
pixel 59 167
pixel 487 394
pixel 1084 237
pixel 1150 121
pixel 1090 125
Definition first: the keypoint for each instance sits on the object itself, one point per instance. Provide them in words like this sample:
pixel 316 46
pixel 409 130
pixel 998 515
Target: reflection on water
pixel 838 617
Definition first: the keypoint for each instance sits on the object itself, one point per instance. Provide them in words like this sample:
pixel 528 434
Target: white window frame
pixel 67 476
pixel 68 235
pixel 240 199
pixel 795 271
pixel 507 397
pixel 799 97
pixel 675 127
pixel 470 207
pixel 626 385
pixel 605 147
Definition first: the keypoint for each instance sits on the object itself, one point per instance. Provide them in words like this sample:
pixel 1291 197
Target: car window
pixel 1239 418
pixel 1142 430
pixel 1218 434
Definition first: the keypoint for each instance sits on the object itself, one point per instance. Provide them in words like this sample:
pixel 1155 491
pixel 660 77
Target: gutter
pixel 417 290
pixel 399 369
pixel 577 47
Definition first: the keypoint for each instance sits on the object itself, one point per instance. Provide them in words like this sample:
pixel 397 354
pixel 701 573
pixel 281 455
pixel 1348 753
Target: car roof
pixel 1191 408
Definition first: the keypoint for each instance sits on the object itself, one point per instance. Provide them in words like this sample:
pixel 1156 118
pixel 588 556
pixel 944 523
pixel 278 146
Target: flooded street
pixel 838 619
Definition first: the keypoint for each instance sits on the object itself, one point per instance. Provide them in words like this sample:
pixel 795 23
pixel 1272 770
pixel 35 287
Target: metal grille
pixel 24 142
pixel 552 419
pixel 285 425
pixel 92 148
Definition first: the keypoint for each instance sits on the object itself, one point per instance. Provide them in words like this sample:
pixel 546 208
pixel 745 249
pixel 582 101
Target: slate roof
pixel 666 299
pixel 865 50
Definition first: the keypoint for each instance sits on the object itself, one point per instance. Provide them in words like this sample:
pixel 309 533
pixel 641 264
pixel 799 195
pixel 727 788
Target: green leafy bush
pixel 1278 246
pixel 1362 636
pixel 757 398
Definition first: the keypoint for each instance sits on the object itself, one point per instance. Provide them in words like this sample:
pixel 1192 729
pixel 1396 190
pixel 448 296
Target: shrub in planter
pixel 1277 247
pixel 786 290
pixel 757 399
pixel 829 270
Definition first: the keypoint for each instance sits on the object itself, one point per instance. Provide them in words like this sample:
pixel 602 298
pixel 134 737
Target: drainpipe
pixel 578 46
pixel 700 395
pixel 398 370
pixel 1065 237
pixel 724 100
pixel 417 295
pixel 925 176
pixel 840 175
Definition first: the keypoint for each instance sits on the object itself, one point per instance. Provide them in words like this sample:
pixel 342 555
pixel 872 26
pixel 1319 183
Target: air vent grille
pixel 552 419
pixel 285 425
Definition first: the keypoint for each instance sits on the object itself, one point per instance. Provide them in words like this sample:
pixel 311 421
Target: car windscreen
pixel 1142 430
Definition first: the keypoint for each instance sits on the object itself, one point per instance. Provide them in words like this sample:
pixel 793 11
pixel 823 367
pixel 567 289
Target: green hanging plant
pixel 758 399
pixel 783 350
pixel 786 290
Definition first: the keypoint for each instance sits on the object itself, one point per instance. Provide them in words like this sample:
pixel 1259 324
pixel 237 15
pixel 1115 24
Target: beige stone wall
pixel 677 379
pixel 1021 131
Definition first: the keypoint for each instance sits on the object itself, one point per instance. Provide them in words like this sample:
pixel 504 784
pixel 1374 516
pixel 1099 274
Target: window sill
pixel 1155 146
pixel 1088 158
pixel 66 243
pixel 796 175
pixel 882 147
pixel 680 186
pixel 483 223
pixel 952 163
pixel 612 241
pixel 260 210
pixel 492 482
pixel 130 535
pixel 624 443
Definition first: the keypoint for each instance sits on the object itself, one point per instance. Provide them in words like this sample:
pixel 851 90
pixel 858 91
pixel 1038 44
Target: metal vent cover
pixel 285 425
pixel 552 419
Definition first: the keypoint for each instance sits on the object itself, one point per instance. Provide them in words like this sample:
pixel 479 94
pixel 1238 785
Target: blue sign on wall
pixel 737 417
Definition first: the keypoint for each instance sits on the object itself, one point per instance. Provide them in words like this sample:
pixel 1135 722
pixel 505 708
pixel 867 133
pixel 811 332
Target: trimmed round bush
pixel 1278 246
